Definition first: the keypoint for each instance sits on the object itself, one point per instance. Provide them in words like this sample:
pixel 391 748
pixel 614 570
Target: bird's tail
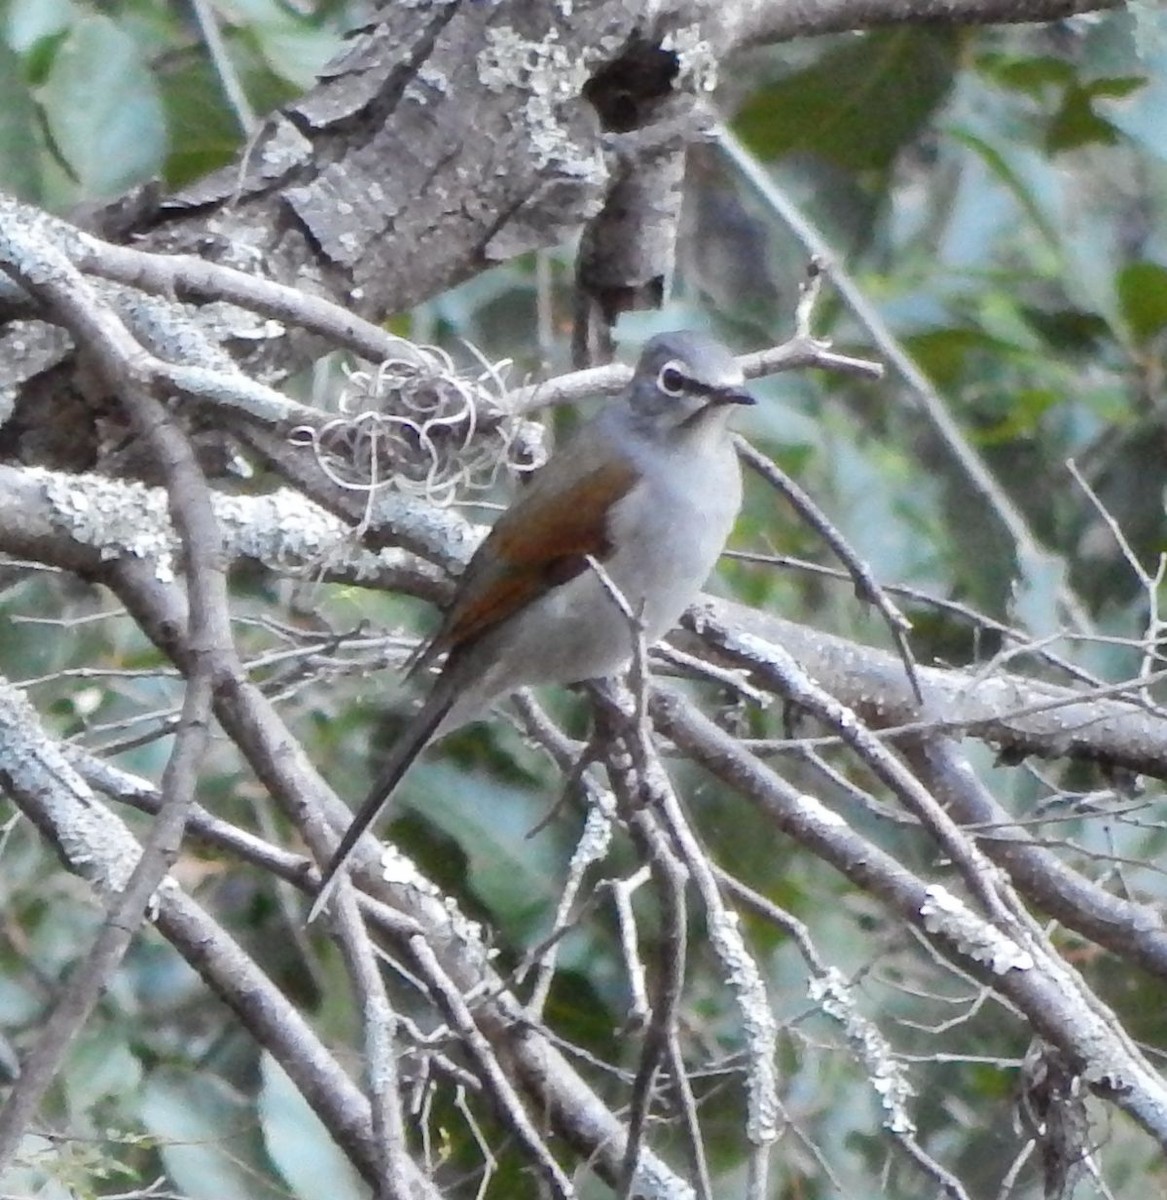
pixel 407 747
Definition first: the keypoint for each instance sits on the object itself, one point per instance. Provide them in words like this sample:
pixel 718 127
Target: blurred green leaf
pixel 1142 297
pixel 513 874
pixel 1076 122
pixel 208 1137
pixel 32 21
pixel 100 1064
pixel 205 133
pixel 1139 113
pixel 943 353
pixel 294 46
pixel 826 109
pixel 253 12
pixel 1026 408
pixel 103 109
pixel 294 50
pixel 1068 330
pixel 311 1163
pixel 20 137
pixel 1073 120
pixel 1014 182
pixel 1034 75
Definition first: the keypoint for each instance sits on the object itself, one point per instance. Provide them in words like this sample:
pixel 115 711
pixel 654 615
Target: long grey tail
pixel 407 747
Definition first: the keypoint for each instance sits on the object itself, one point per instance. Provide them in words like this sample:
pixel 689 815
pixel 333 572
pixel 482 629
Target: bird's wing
pixel 540 542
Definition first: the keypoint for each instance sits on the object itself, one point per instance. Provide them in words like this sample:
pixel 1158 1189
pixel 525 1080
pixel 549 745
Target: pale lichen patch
pixel 696 61
pixel 114 516
pixel 551 80
pixel 946 914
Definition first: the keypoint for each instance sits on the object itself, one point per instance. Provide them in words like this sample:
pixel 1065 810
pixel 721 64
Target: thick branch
pixel 758 22
pixel 41 518
pixel 1043 987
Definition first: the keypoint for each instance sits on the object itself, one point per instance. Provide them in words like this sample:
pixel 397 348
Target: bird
pixel 649 488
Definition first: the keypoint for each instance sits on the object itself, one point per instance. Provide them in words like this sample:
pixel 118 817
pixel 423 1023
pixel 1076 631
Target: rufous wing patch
pixel 537 544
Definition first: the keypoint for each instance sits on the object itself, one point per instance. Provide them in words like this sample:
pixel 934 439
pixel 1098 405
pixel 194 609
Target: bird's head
pixel 684 380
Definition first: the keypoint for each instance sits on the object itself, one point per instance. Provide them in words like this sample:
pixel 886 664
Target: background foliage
pixel 1000 195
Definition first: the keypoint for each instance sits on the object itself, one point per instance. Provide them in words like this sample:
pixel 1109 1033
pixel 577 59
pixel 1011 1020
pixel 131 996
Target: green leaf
pixel 20 138
pixel 827 109
pixel 103 109
pixel 295 51
pixel 207 1137
pixel 204 131
pixel 99 1065
pixel 1142 297
pixel 1034 76
pixel 33 21
pixel 513 874
pixel 1075 120
pixel 1139 112
pixel 1068 330
pixel 943 353
pixel 1115 87
pixel 1076 124
pixel 1012 180
pixel 302 1149
pixel 1026 407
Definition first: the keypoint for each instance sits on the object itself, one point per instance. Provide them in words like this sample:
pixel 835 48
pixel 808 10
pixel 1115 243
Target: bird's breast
pixel 668 532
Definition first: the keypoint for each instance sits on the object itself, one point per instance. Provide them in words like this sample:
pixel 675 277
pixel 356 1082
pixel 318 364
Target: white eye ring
pixel 672 379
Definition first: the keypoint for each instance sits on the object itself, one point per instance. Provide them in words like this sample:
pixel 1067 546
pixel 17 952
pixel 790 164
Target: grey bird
pixel 650 488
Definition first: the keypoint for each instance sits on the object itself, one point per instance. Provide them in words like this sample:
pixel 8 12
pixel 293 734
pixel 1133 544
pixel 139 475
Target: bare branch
pixel 763 23
pixel 1050 994
pixel 40 268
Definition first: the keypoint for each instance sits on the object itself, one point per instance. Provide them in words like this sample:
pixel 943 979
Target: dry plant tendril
pixel 438 433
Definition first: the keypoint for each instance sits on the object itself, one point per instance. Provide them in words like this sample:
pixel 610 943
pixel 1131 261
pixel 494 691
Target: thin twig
pixel 799 353
pixel 1150 583
pixel 494 1079
pixel 220 58
pixel 379 1026
pixel 866 585
pixel 867 588
pixel 1026 644
pixel 774 664
pixel 1031 554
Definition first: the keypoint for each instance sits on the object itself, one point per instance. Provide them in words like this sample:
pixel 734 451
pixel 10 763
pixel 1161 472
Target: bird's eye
pixel 670 380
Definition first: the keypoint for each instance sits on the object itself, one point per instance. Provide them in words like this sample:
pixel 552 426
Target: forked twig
pixel 867 588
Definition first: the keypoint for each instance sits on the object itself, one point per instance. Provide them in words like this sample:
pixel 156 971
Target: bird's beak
pixel 731 395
